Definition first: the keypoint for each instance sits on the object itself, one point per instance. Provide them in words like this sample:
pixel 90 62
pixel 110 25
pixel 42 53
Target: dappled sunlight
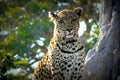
pixel 82 28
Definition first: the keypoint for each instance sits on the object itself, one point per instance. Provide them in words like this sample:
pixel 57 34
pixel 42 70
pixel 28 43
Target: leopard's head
pixel 66 23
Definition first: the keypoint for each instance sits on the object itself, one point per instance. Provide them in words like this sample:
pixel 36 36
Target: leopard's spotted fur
pixel 65 57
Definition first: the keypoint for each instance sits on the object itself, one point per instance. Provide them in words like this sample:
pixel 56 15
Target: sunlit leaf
pixel 21 62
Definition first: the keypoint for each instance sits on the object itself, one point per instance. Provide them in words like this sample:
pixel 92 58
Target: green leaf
pixel 22 62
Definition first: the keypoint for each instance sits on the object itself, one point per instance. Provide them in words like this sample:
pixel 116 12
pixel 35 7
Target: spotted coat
pixel 66 53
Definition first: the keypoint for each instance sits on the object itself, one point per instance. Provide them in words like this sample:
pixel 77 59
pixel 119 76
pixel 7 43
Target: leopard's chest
pixel 66 64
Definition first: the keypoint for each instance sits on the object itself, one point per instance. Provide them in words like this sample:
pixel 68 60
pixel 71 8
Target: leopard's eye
pixel 73 20
pixel 60 22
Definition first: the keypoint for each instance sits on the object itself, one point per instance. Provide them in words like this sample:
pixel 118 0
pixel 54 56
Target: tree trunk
pixel 103 60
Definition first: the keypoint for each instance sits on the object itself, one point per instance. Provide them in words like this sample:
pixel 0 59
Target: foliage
pixel 25 31
pixel 93 36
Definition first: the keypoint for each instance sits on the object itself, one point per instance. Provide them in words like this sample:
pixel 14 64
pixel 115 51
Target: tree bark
pixel 103 60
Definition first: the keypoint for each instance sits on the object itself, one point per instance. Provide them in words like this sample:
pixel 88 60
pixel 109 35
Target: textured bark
pixel 103 60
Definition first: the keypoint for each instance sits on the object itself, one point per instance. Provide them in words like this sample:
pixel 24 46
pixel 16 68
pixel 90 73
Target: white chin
pixel 69 36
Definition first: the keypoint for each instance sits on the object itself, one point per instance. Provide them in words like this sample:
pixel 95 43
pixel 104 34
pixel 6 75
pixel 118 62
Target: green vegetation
pixel 25 32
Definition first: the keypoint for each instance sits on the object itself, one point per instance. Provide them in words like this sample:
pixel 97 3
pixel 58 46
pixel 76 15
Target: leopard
pixel 65 57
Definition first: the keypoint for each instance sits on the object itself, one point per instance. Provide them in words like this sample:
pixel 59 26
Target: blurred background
pixel 25 32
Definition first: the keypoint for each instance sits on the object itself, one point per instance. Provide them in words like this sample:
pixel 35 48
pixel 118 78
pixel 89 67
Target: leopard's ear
pixel 78 11
pixel 51 15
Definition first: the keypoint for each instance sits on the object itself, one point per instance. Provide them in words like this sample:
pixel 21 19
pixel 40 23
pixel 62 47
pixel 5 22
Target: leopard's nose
pixel 69 30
